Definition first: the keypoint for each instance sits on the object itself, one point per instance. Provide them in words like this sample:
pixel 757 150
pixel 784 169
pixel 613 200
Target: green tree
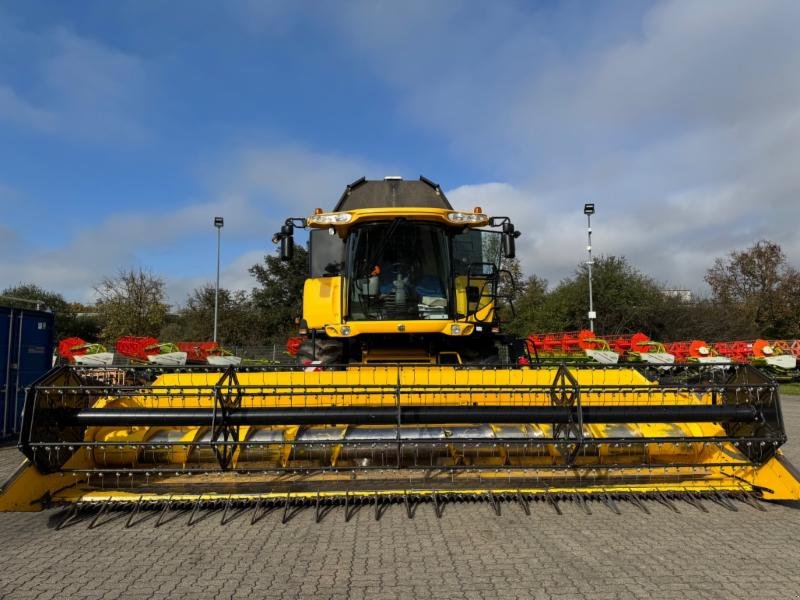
pixel 625 300
pixel 131 303
pixel 703 318
pixel 759 286
pixel 530 307
pixel 237 323
pixel 87 324
pixel 278 298
pixel 510 289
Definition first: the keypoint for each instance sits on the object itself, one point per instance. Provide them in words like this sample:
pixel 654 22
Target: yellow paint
pixel 600 468
pixel 322 301
pixel 398 327
pixel 364 215
pixel 481 311
pixel 26 489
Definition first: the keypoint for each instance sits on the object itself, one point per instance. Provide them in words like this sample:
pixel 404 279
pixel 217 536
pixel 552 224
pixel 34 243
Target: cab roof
pixel 392 192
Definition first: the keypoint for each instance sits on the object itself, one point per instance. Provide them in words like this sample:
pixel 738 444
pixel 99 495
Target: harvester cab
pixel 416 397
pixel 398 275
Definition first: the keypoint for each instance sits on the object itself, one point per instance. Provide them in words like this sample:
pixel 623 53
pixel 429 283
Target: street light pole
pixel 588 210
pixel 218 223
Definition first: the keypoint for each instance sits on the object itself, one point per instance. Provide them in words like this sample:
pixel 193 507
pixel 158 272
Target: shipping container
pixel 26 353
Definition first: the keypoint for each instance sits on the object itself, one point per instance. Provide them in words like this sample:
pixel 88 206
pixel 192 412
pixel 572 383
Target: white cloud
pixel 675 242
pixel 292 175
pixel 684 131
pixel 256 189
pixel 75 86
pixel 14 108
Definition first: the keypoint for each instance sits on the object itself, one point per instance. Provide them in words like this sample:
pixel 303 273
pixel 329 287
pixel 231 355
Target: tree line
pixel 134 302
pixel 753 293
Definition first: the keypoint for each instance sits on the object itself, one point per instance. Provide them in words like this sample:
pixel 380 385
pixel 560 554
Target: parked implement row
pixel 778 357
pixel 144 350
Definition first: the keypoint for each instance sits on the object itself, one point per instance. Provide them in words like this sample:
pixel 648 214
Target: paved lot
pixel 468 553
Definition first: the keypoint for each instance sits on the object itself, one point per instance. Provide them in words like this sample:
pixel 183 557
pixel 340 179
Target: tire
pixel 325 350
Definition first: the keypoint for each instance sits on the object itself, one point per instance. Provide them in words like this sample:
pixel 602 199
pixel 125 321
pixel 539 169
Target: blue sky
pixel 126 126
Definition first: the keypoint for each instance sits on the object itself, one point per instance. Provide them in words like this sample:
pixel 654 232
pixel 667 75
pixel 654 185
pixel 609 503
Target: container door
pixel 35 347
pixel 6 320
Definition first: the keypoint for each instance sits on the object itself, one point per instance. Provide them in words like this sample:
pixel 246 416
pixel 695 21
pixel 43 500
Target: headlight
pixel 455 329
pixel 330 218
pixel 468 218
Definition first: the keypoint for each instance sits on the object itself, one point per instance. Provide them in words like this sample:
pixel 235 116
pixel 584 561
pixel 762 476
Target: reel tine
pixel 408 505
pixel 638 502
pixel 584 504
pixel 554 503
pixel 493 502
pixel 609 502
pixel 724 502
pixel 751 500
pixel 69 516
pixel 255 517
pixel 129 522
pixel 691 499
pixel 100 513
pixel 225 511
pixel 286 506
pixel 524 503
pixel 346 507
pixel 316 510
pixel 164 510
pixel 194 510
pixel 661 498
pixel 436 506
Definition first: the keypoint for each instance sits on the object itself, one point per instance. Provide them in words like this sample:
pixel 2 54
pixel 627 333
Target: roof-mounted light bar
pixel 339 218
pixel 465 218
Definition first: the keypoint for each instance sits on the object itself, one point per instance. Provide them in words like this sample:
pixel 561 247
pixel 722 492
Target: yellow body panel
pixel 27 490
pixel 481 311
pixel 408 326
pixel 322 304
pixel 363 215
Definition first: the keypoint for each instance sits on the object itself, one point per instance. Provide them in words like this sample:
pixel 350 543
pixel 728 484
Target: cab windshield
pixel 399 270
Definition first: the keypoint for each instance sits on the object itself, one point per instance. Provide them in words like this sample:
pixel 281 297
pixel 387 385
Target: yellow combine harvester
pixel 406 392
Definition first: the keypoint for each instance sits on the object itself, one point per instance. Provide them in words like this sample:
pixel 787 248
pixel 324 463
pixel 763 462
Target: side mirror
pixel 287 242
pixel 509 235
pixel 287 248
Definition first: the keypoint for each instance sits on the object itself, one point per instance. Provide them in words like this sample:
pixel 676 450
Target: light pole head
pixel 588 209
pixel 219 222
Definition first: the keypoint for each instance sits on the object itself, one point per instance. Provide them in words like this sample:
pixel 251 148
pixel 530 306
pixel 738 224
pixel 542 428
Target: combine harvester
pixel 581 345
pixel 418 397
